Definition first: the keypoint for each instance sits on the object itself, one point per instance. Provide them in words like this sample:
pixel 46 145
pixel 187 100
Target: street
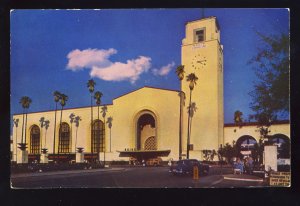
pixel 128 177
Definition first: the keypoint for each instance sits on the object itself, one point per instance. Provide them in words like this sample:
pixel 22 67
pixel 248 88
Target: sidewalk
pixel 243 177
pixel 37 174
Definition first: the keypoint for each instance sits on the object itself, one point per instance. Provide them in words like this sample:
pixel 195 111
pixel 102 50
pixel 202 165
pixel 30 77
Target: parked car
pixel 186 167
pixel 154 161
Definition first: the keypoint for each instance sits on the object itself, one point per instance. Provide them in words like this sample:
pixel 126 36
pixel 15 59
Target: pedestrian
pixel 143 162
pixel 250 165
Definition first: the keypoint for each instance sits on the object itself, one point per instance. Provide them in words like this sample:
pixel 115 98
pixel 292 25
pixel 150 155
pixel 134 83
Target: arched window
pixel 98 141
pixel 64 138
pixel 35 140
pixel 246 145
pixel 150 143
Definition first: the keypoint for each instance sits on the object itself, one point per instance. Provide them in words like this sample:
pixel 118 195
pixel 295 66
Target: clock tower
pixel 202 54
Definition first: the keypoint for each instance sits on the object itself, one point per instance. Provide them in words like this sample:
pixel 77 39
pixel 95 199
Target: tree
pixel 91 86
pixel 109 124
pixel 63 101
pixel 77 120
pixel 46 124
pixel 42 119
pixel 72 118
pixel 97 97
pixel 180 73
pixel 238 119
pixel 209 155
pixel 16 124
pixel 104 111
pixel 192 78
pixel 57 96
pixel 191 110
pixel 228 151
pixel 270 97
pixel 25 102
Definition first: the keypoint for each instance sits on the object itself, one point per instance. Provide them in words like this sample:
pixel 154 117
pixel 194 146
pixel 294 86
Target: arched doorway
pixel 35 139
pixel 64 138
pixel 246 145
pixel 146 132
pixel 283 145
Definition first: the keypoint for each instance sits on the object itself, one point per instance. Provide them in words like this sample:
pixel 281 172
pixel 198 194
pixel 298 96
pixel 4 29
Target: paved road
pixel 139 177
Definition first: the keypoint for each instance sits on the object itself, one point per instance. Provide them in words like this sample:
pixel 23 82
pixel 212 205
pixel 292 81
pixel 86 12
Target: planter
pixel 80 149
pixel 44 151
pixel 22 146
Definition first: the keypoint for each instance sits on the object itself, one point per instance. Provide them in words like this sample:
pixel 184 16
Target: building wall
pixel 208 120
pixel 162 104
pixel 125 111
pixel 233 133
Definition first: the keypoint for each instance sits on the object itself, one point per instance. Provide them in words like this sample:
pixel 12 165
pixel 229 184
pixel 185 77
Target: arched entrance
pixel 283 145
pixel 146 132
pixel 246 145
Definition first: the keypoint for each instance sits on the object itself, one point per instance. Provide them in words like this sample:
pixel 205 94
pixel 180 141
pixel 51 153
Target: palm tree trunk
pixel 76 139
pixel 54 129
pixel 41 138
pixel 188 136
pixel 104 142
pixel 16 142
pixel 109 139
pixel 71 132
pixel 92 136
pixel 26 126
pixel 98 146
pixel 59 135
pixel 23 125
pixel 180 126
pixel 45 139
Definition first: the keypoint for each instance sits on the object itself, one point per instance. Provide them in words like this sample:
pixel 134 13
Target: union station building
pixel 148 122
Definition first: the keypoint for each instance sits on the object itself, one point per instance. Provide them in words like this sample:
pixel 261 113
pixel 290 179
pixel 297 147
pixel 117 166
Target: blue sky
pixel 62 49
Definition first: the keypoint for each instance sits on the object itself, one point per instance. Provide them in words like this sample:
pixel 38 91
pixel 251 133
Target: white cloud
pixel 163 71
pixel 117 71
pixel 88 58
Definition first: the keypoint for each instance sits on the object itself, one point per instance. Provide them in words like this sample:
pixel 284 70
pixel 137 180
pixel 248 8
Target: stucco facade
pixel 149 118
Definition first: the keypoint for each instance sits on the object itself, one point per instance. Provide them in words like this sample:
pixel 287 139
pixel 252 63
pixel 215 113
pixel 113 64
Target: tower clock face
pixel 199 61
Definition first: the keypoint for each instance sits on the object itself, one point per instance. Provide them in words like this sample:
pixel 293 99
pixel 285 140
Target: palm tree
pixel 42 120
pixel 104 111
pixel 238 119
pixel 56 95
pixel 63 101
pixel 25 102
pixel 97 97
pixel 46 124
pixel 180 73
pixel 192 111
pixel 77 120
pixel 192 78
pixel 16 124
pixel 72 118
pixel 91 86
pixel 109 124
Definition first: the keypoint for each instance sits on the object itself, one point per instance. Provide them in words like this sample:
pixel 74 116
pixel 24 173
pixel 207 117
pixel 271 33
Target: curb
pixel 243 179
pixel 64 172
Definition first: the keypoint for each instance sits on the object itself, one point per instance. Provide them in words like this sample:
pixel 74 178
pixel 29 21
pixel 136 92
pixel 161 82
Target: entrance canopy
pixel 145 154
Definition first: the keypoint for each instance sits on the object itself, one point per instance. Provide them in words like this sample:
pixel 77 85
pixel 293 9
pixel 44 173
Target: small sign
pixel 280 179
pixel 199 45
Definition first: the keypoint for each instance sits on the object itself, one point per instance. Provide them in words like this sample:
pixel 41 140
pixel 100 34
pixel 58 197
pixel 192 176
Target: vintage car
pixel 186 166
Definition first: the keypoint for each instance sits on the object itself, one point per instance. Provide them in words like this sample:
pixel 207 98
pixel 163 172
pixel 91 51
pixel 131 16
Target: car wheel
pixel 205 172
